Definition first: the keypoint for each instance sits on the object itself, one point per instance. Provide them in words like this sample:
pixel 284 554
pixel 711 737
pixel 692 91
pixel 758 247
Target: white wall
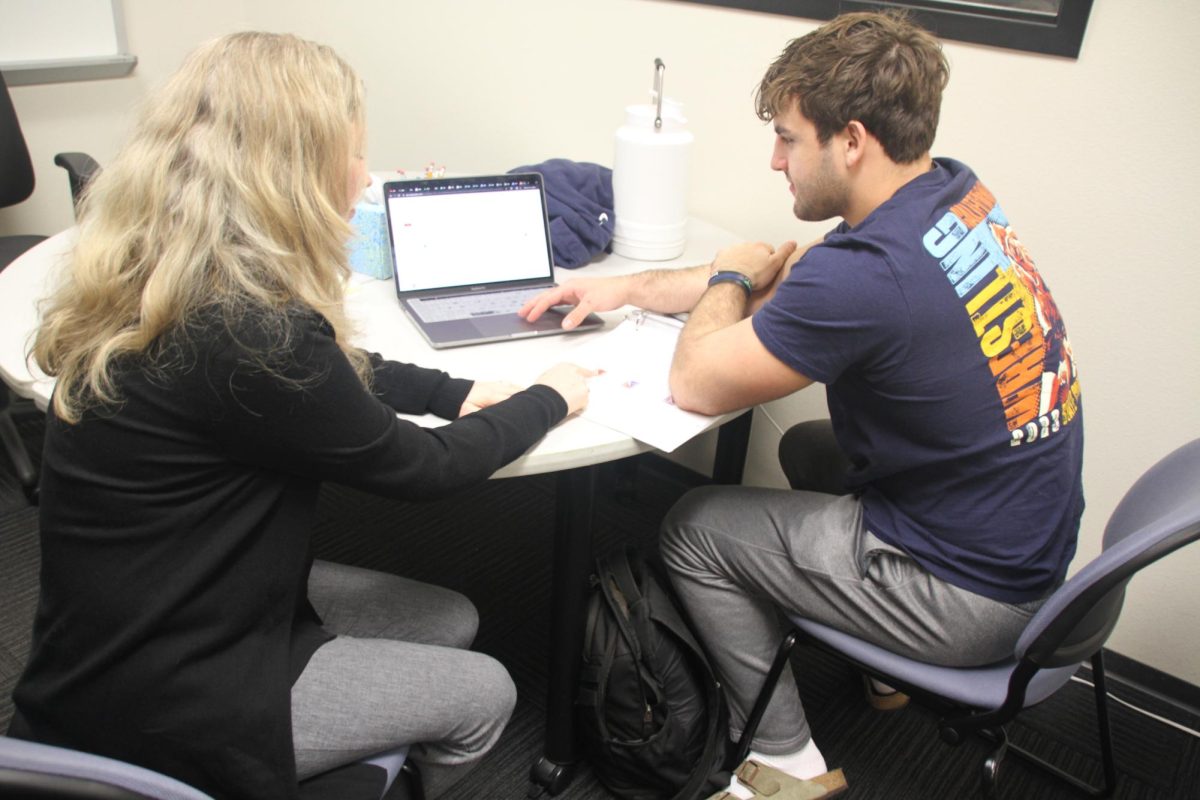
pixel 1093 159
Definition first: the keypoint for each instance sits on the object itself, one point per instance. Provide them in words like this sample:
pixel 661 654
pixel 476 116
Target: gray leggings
pixel 737 555
pixel 399 673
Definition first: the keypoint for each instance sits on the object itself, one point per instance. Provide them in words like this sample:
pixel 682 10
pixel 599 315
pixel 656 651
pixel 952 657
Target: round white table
pixel 385 329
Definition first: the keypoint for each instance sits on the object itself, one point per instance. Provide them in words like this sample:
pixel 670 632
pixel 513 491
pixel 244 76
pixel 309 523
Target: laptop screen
pixel 452 232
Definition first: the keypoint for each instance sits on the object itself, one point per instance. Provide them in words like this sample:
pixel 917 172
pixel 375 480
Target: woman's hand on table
pixel 570 381
pixel 487 393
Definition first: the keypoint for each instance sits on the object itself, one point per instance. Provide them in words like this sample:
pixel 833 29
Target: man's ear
pixel 854 143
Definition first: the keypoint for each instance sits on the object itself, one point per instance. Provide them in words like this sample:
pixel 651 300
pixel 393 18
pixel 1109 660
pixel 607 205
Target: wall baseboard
pixel 1178 694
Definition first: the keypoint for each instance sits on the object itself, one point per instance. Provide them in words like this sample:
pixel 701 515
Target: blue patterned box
pixel 369 246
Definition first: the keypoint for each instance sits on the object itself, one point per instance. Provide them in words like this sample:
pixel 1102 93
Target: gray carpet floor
pixel 494 544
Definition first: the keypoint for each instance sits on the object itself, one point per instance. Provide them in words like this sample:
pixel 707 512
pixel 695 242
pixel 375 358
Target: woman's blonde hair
pixel 231 193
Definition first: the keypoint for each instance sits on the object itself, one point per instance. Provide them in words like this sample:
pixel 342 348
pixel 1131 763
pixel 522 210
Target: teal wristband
pixel 728 276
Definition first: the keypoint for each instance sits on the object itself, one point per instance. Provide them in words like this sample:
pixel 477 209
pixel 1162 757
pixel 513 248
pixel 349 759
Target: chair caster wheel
pixel 548 776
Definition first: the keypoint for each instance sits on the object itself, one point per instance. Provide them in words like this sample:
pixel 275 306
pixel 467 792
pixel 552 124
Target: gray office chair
pixel 1158 515
pixel 34 771
pixel 81 168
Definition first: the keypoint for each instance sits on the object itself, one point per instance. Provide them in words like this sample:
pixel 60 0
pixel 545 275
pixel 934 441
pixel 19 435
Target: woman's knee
pixel 461 619
pixel 492 698
pixel 369 604
pixel 437 615
pixel 502 691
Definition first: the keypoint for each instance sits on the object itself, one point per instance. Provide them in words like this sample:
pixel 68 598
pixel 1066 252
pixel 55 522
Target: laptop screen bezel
pixel 420 185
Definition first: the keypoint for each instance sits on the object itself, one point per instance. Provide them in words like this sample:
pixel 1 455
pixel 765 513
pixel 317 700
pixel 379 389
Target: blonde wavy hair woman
pixel 214 201
pixel 206 387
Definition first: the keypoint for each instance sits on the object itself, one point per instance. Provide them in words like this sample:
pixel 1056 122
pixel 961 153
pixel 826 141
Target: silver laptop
pixel 466 254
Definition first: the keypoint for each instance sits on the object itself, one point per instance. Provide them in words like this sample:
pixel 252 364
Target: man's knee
pixel 689 511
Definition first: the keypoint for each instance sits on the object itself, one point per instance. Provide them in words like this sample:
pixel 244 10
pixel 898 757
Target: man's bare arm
pixel 667 291
pixel 765 293
pixel 719 364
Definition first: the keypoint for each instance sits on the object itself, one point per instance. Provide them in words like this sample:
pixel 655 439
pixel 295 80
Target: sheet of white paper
pixel 632 395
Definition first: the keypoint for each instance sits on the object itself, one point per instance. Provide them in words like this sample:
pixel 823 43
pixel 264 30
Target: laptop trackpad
pixel 511 324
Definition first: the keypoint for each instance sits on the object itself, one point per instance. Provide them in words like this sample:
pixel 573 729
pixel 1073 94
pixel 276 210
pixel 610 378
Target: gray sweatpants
pixel 399 673
pixel 737 555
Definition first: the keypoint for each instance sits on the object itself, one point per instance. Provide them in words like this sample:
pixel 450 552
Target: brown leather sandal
pixel 766 781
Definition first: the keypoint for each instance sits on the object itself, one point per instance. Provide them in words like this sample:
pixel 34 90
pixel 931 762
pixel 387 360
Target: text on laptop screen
pixel 464 233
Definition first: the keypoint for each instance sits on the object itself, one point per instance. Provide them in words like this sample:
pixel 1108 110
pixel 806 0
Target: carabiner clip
pixel 659 69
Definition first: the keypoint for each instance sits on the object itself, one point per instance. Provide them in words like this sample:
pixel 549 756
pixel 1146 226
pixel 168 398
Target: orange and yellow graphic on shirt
pixel 1012 313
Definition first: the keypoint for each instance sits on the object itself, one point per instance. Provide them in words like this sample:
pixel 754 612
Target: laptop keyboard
pixel 465 306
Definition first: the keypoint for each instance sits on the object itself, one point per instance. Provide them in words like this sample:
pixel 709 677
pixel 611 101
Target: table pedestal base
pixel 575 499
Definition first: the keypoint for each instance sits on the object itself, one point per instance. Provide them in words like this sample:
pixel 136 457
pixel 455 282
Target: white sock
pixel 739 791
pixel 805 763
pixel 881 688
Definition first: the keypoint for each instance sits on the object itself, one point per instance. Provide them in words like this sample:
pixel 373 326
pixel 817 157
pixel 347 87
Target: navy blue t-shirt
pixel 950 381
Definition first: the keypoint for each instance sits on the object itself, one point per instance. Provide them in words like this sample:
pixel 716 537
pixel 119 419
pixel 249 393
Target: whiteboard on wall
pixel 46 41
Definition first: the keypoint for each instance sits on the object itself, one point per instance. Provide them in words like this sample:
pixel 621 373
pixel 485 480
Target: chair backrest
pixel 1159 514
pixel 33 770
pixel 16 168
pixel 1168 490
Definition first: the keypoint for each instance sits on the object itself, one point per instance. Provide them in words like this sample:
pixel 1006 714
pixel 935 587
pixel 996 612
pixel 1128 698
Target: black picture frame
pixel 1017 24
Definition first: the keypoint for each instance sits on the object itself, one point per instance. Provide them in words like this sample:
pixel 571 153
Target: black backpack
pixel 652 717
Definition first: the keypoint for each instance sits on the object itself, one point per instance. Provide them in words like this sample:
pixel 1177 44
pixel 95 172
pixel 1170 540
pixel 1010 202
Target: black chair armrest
pixel 80 168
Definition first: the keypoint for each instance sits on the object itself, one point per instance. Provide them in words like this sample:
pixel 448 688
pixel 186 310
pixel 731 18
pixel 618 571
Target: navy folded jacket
pixel 579 200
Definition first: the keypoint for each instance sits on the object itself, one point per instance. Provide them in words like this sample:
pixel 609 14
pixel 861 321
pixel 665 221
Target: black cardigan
pixel 176 529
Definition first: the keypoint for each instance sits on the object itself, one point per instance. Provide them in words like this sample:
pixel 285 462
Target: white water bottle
pixel 650 171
